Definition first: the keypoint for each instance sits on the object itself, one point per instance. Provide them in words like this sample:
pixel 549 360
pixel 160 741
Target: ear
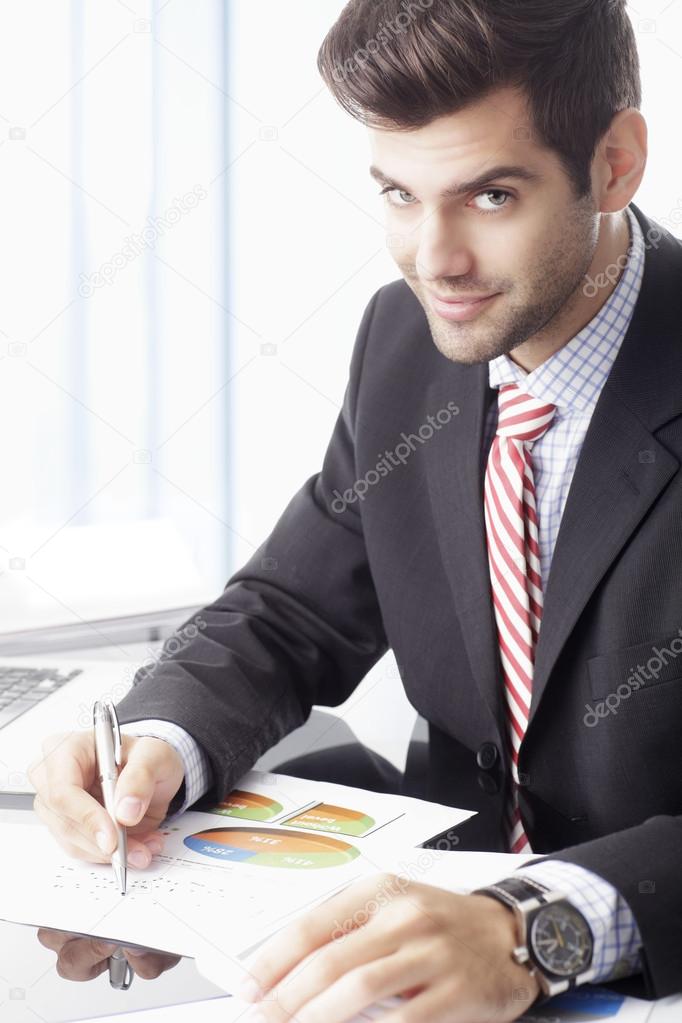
pixel 620 160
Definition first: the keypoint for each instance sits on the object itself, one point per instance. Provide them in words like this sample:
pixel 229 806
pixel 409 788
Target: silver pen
pixel 108 753
pixel 120 971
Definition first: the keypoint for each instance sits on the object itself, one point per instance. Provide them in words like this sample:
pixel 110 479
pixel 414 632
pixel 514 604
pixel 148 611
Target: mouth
pixel 460 309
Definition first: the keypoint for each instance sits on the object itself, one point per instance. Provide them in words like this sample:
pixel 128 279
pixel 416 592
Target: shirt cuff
pixel 617 941
pixel 197 779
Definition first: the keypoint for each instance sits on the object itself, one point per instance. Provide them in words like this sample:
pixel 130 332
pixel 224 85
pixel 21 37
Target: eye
pixel 497 192
pixel 410 199
pixel 388 191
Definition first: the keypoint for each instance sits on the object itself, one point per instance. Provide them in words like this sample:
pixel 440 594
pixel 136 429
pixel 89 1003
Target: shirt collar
pixel 574 376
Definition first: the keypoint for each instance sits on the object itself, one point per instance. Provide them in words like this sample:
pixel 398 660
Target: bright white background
pixel 154 427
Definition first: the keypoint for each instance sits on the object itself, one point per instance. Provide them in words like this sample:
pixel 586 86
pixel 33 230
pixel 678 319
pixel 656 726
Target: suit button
pixel 488 783
pixel 487 756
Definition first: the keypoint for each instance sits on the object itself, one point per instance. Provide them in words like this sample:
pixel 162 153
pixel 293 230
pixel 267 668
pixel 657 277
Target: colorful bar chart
pixel 249 806
pixel 336 819
pixel 265 847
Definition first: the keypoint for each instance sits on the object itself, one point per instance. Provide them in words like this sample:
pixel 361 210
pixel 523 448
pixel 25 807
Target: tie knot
pixel 521 416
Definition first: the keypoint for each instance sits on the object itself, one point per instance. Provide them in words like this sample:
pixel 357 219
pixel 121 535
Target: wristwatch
pixel 555 940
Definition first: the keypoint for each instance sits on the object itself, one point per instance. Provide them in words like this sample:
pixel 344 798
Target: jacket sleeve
pixel 298 625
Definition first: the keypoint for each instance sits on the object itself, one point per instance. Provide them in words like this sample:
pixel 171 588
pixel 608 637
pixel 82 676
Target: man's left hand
pixel 448 955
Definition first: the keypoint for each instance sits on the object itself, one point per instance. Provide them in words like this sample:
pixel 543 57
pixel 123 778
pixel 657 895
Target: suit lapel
pixel 622 468
pixel 455 482
pixel 621 471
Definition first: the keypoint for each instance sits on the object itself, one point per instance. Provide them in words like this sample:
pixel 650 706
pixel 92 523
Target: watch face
pixel 561 940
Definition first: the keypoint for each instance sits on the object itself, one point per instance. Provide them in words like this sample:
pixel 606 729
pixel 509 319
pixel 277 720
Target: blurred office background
pixel 188 242
pixel 189 239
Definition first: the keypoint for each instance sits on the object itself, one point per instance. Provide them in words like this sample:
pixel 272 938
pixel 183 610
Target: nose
pixel 442 250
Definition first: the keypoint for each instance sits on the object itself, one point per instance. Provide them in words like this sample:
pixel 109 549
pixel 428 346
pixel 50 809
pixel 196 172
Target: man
pixel 499 504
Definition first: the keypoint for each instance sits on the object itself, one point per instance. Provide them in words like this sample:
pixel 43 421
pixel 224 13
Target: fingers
pixel 135 786
pixel 68 797
pixel 149 779
pixel 68 837
pixel 62 778
pixel 53 939
pixel 72 840
pixel 335 993
pixel 342 913
pixel 337 981
pixel 84 958
pixel 141 852
pixel 151 768
pixel 148 964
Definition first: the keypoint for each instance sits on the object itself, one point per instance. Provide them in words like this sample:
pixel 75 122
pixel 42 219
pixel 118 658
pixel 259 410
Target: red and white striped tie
pixel 511 522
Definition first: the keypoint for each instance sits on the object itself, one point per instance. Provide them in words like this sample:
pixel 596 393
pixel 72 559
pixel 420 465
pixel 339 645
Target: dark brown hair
pixel 399 64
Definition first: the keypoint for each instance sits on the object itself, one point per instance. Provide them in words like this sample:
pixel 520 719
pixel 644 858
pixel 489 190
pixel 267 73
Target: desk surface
pixel 665 1011
pixel 31 989
pixel 29 967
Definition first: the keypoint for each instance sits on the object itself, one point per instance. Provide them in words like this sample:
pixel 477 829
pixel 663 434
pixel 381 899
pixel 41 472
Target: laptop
pixel 48 683
pixel 46 694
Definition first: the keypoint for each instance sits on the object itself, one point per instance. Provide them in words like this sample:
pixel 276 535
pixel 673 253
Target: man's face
pixel 527 242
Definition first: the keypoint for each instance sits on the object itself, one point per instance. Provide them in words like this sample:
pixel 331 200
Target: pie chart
pixel 328 817
pixel 249 806
pixel 265 847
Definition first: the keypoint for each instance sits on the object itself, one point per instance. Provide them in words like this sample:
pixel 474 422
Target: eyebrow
pixel 475 185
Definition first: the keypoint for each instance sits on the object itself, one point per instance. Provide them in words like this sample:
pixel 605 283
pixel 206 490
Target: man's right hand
pixel 80 958
pixel 69 796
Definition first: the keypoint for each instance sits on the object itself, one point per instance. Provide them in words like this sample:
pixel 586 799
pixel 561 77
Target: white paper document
pixel 231 876
pixel 219 882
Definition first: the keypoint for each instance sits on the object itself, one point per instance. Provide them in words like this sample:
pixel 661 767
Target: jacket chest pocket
pixel 621 673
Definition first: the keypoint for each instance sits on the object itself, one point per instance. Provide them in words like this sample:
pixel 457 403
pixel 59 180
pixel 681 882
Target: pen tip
pixel 121 877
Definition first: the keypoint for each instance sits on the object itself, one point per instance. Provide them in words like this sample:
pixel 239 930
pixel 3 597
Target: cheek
pixel 401 245
pixel 521 258
pixel 511 249
pixel 405 257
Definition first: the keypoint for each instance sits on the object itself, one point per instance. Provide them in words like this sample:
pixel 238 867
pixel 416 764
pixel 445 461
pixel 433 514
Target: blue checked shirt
pixel 572 380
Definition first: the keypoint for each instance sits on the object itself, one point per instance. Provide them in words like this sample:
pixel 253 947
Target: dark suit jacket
pixel 336 584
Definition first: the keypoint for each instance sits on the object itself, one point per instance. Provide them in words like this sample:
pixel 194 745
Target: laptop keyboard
pixel 22 688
